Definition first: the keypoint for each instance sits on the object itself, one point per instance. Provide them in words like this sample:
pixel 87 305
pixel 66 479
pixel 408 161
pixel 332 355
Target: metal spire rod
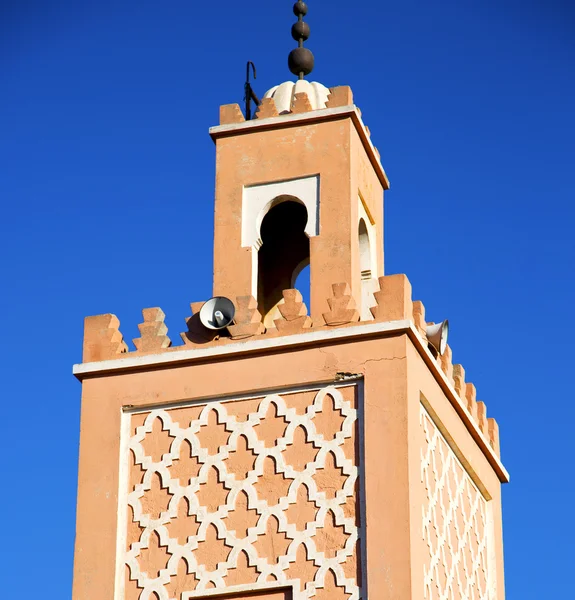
pixel 249 92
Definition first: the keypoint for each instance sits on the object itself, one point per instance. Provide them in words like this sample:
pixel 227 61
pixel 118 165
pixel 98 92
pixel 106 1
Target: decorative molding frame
pixel 131 442
pixel 258 199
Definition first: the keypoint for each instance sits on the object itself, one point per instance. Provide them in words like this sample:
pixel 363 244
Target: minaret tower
pixel 326 453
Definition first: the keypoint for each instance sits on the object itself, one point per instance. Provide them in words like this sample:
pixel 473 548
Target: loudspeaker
pixel 437 335
pixel 217 313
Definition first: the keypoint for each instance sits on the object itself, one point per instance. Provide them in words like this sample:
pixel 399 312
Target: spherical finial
pixel 300 59
pixel 300 30
pixel 300 8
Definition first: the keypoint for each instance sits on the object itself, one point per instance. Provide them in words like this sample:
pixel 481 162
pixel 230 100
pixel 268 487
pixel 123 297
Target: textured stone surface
pixel 247 320
pixel 393 299
pixel 301 103
pixel 340 96
pixel 342 306
pixel 102 338
pixel 293 312
pixel 419 317
pixel 267 109
pixel 231 113
pixel 153 331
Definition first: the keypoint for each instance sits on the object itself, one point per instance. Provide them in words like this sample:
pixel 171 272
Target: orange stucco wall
pixel 389 453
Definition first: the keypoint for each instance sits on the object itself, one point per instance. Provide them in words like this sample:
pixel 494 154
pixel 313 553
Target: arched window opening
pixel 364 251
pixel 365 266
pixel 302 281
pixel 283 253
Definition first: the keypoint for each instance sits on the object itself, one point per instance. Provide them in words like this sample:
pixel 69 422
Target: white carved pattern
pixel 455 523
pixel 217 578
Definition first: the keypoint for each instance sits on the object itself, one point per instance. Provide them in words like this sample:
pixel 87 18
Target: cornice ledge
pixel 188 356
pixel 460 407
pixel 307 118
pixel 252 346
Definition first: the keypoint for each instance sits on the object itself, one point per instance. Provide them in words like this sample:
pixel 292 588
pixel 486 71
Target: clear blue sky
pixel 106 188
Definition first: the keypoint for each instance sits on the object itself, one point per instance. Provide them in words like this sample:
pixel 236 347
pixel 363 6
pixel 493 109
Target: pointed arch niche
pixel 278 220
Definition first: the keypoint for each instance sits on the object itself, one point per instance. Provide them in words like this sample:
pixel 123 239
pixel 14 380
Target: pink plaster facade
pixel 322 455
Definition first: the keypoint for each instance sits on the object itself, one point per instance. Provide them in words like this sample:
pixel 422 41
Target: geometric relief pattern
pixel 455 523
pixel 245 494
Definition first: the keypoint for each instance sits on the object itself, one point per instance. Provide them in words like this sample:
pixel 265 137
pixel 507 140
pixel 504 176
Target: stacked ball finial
pixel 300 59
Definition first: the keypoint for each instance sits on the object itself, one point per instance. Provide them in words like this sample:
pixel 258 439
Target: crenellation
pixel 471 400
pixel 247 320
pixel 493 434
pixel 267 109
pixel 459 380
pixel 197 334
pixel 393 299
pixel 482 416
pixel 102 338
pixel 419 317
pixel 468 394
pixel 342 306
pixel 104 341
pixel 293 312
pixel 339 96
pixel 153 332
pixel 230 114
pixel 437 358
pixel 447 363
pixel 301 103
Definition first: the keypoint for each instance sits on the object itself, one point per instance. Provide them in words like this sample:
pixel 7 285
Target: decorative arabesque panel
pixel 242 494
pixel 456 524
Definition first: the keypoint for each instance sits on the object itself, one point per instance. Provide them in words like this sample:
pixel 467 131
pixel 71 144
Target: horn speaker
pixel 217 313
pixel 437 335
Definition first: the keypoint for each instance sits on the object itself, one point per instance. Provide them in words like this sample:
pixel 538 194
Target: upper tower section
pixel 299 184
